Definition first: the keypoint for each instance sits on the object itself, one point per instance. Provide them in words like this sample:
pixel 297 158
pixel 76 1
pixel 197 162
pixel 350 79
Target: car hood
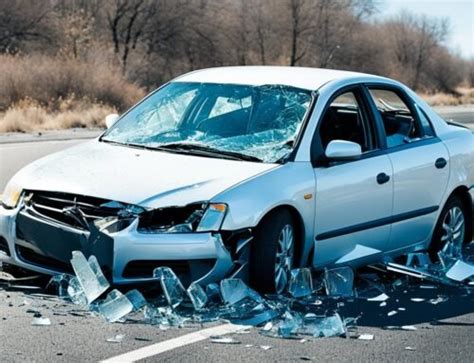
pixel 143 177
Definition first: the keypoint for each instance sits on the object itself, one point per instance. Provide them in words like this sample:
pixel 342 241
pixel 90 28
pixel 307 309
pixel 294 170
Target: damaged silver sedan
pixel 248 172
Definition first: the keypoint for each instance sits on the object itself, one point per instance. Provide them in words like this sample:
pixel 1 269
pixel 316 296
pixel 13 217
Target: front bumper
pixel 128 256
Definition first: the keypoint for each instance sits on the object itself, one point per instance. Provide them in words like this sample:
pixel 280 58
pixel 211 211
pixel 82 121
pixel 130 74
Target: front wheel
pixel 451 227
pixel 272 255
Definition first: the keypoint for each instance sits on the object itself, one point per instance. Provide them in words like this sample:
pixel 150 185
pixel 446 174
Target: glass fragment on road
pixel 89 275
pixel 115 306
pixel 40 321
pixel 339 281
pixel 197 295
pixel 172 287
pixel 301 283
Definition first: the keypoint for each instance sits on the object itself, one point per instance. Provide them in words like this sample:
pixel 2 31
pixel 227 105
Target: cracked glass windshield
pixel 256 123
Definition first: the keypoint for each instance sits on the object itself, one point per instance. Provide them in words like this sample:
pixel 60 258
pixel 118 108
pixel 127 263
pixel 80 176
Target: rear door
pixel 354 198
pixel 420 165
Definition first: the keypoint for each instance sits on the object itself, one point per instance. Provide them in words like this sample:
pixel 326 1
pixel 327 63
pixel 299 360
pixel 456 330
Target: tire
pixel 454 214
pixel 275 231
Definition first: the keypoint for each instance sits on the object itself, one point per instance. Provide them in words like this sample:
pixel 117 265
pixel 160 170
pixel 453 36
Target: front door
pixel 353 199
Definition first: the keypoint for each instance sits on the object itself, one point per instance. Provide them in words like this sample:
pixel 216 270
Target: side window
pixel 426 125
pixel 344 120
pixel 400 124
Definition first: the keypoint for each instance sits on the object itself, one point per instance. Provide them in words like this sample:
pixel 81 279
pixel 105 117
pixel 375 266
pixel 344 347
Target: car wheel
pixel 451 227
pixel 272 254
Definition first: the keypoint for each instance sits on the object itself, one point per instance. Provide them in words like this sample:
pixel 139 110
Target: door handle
pixel 383 178
pixel 441 163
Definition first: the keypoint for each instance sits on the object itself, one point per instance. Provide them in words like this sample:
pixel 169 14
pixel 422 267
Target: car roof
pixel 300 77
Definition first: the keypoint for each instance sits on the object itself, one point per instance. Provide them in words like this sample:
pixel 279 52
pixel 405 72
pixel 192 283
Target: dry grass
pixel 43 93
pixel 49 80
pixel 443 99
pixel 29 116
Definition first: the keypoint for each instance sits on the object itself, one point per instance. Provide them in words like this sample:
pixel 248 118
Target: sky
pixel 460 14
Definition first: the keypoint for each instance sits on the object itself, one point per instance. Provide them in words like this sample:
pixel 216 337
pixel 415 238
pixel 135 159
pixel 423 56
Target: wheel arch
pixel 299 228
pixel 462 192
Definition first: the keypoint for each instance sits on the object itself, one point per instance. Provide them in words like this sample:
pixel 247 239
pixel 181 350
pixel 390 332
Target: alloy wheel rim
pixel 284 257
pixel 454 227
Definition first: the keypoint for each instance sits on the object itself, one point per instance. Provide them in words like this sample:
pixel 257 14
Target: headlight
pixel 199 217
pixel 11 196
pixel 212 218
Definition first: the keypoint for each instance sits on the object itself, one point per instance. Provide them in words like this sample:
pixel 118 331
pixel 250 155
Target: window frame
pixel 317 152
pixel 412 106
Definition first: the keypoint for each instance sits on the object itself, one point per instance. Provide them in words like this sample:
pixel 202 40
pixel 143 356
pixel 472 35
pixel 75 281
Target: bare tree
pixel 23 22
pixel 127 21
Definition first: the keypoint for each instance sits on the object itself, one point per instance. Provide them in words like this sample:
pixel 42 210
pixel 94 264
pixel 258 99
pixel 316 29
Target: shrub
pixel 50 80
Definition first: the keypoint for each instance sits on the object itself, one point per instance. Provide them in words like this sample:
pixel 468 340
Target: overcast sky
pixel 459 12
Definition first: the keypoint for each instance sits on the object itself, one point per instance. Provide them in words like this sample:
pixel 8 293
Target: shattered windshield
pixel 257 123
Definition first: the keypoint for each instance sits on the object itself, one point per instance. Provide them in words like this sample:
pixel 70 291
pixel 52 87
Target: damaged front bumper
pixel 127 256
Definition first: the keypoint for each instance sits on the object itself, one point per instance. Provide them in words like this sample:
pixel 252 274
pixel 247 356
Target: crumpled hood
pixel 143 177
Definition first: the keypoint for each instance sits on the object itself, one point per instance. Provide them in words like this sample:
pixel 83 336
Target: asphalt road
pixel 444 331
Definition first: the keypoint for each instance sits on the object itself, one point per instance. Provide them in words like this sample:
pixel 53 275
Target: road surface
pixel 444 331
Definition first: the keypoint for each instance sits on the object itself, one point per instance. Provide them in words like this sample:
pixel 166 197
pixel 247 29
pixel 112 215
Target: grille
pixel 69 209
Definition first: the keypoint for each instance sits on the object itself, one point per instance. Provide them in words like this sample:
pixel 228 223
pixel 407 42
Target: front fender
pixel 291 184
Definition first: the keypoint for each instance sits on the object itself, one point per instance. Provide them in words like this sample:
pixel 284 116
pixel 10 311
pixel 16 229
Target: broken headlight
pixel 199 217
pixel 11 196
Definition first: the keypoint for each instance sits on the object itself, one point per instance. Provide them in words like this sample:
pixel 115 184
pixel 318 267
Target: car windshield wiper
pixel 206 151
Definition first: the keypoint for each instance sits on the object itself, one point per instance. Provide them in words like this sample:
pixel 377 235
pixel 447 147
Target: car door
pixel 353 198
pixel 420 165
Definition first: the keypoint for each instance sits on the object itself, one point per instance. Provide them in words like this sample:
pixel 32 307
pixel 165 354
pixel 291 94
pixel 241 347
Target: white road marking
pixel 167 345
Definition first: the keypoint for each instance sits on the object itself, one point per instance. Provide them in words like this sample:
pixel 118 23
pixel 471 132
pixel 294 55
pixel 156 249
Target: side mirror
pixel 339 150
pixel 111 119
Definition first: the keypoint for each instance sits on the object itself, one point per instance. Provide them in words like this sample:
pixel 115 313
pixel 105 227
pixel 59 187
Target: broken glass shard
pixel 171 285
pixel 213 293
pixel 381 297
pixel 60 283
pixel 420 260
pixel 290 325
pixel 75 292
pixel 224 340
pixel 438 300
pixel 40 321
pixel 301 283
pixel 116 339
pixel 366 337
pixel 136 298
pixel 358 252
pixel 115 306
pixel 197 295
pixel 89 275
pixel 235 290
pixel 460 271
pixel 339 281
pixel 323 326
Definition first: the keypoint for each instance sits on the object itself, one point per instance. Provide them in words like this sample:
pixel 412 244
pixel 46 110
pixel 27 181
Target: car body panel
pixel 128 175
pixel 418 186
pixel 348 196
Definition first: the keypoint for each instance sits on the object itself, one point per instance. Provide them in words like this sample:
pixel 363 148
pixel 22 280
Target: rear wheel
pixel 272 255
pixel 451 227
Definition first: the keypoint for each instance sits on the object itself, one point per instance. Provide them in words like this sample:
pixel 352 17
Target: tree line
pixel 151 41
